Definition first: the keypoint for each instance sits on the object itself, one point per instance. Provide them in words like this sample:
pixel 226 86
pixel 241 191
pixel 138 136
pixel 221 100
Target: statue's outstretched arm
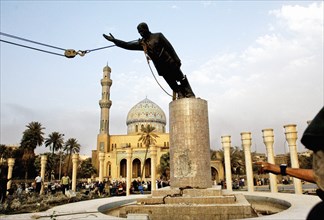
pixel 132 45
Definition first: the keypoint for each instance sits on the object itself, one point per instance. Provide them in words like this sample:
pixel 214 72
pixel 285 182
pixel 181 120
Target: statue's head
pixel 143 30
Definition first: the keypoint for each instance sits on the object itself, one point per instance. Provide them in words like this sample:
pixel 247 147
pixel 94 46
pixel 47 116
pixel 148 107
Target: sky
pixel 258 64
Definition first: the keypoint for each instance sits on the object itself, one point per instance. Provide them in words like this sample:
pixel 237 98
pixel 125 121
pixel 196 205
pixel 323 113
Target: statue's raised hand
pixel 109 37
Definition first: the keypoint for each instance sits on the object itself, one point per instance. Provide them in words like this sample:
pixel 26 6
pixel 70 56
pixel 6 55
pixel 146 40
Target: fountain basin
pixel 267 206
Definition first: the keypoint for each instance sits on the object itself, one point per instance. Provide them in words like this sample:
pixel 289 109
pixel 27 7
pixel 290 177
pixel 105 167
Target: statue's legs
pixel 186 88
pixel 178 82
pixel 174 86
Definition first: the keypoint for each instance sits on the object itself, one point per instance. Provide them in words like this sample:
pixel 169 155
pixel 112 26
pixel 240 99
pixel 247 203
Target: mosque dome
pixel 143 113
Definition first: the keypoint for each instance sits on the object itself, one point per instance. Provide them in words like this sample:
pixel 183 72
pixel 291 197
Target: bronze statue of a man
pixel 164 57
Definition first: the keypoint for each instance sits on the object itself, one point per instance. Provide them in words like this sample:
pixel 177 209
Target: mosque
pixel 112 148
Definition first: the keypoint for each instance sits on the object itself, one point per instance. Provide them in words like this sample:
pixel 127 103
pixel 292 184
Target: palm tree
pixel 71 146
pixel 3 152
pixel 55 141
pixel 147 138
pixel 32 137
pixel 86 169
pixel 164 167
pixel 237 159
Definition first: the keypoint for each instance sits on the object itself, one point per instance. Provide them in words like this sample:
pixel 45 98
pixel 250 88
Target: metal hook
pixel 70 53
pixel 82 52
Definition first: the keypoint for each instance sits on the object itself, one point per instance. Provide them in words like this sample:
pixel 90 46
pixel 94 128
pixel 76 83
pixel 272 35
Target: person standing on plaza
pixel 141 188
pixel 65 181
pixel 38 181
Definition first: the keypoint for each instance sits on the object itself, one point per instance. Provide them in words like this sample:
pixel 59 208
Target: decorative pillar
pixel 153 167
pixel 43 168
pixel 226 142
pixel 75 160
pixel 129 170
pixel 291 137
pixel 101 165
pixel 268 140
pixel 11 163
pixel 246 143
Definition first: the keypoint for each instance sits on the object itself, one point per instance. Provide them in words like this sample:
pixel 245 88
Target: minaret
pixel 104 103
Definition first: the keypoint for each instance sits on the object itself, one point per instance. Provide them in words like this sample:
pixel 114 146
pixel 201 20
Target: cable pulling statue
pixel 163 55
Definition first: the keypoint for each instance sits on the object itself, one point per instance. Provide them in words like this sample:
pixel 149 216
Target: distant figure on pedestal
pixel 158 49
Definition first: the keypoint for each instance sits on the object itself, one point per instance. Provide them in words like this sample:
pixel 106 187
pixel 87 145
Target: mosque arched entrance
pixel 147 168
pixel 136 171
pixel 123 168
pixel 109 169
pixel 214 174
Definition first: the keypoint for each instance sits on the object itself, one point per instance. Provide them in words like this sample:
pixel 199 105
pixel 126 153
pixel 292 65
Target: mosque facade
pixel 114 147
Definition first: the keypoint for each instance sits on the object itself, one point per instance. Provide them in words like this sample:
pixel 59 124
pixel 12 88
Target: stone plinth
pixel 189 144
pixel 230 199
pixel 190 208
pixel 187 192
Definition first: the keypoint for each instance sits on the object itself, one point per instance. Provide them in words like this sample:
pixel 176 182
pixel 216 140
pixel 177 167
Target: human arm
pixel 132 45
pixel 303 174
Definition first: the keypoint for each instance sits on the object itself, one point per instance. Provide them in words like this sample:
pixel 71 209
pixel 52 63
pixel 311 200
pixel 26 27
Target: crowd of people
pixel 91 188
pixel 118 187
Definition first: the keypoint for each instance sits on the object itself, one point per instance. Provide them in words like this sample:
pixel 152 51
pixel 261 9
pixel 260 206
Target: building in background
pixel 146 112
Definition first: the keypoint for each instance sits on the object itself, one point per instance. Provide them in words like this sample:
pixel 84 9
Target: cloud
pixel 304 20
pixel 276 80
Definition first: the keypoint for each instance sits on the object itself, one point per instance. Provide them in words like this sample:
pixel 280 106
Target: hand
pixel 264 166
pixel 110 37
pixel 268 167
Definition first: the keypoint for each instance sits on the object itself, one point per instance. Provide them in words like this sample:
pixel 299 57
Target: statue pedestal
pixel 191 195
pixel 189 143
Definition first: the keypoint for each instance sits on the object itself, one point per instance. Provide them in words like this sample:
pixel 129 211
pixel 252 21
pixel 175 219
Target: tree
pixel 71 146
pixel 147 138
pixel 86 169
pixel 51 164
pixel 164 167
pixel 4 152
pixel 55 141
pixel 237 159
pixel 213 154
pixel 32 137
